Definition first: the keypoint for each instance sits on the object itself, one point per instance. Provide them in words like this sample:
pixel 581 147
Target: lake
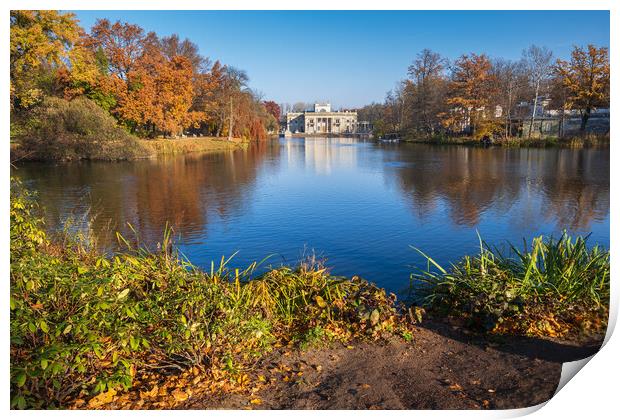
pixel 359 205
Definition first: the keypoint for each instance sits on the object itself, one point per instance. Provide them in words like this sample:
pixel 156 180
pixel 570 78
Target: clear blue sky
pixel 289 55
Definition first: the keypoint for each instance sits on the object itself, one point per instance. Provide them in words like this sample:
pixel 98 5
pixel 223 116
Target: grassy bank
pixel 149 328
pixel 61 130
pixel 567 142
pixel 145 148
pixel 553 287
pixel 192 144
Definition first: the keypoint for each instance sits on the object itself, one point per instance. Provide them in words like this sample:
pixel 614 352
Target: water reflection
pixel 570 187
pixel 360 204
pixel 181 191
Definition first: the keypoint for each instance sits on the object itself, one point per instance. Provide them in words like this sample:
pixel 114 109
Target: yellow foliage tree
pixel 586 78
pixel 40 40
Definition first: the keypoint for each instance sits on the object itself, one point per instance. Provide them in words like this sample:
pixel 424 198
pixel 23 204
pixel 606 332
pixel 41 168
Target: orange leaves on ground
pixel 102 399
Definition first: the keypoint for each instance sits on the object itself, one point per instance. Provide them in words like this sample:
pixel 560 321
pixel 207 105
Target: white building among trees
pixel 322 120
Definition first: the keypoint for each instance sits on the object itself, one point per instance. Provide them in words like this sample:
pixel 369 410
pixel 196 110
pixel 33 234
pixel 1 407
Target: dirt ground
pixel 443 367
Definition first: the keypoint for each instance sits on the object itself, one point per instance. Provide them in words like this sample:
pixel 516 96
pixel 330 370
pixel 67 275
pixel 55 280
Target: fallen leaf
pixel 101 399
pixel 179 395
pixel 256 401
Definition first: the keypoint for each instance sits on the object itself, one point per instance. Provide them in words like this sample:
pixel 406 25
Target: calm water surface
pixel 360 205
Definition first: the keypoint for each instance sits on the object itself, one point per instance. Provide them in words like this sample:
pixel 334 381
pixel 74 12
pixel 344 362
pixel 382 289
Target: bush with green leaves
pixel 61 129
pixel 83 323
pixel 553 287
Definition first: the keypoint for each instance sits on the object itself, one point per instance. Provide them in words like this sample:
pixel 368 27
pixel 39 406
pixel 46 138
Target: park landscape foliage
pixel 440 99
pixel 152 86
pixel 146 328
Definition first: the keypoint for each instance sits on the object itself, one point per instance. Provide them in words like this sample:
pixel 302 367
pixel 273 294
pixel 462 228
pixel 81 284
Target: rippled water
pixel 360 205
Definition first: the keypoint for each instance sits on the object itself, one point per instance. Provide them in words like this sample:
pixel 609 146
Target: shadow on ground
pixel 443 367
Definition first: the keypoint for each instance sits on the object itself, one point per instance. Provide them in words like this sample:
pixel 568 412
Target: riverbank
pixel 193 145
pixel 153 147
pixel 147 329
pixel 594 141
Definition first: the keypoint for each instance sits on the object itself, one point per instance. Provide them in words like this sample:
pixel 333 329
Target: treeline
pixel 153 86
pixel 479 96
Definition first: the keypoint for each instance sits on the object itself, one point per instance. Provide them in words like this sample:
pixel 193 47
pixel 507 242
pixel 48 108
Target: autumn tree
pixel 122 44
pixel 87 74
pixel 510 79
pixel 39 42
pixel 159 91
pixel 228 92
pixel 273 108
pixel 424 91
pixel 153 86
pixel 470 89
pixel 560 100
pixel 586 78
pixel 394 109
pixel 171 46
pixel 371 113
pixel 537 61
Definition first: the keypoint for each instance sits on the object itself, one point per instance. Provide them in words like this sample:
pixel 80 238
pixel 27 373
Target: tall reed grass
pixel 550 287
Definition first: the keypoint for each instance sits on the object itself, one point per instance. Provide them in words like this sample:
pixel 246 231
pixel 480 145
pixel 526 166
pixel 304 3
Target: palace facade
pixel 321 120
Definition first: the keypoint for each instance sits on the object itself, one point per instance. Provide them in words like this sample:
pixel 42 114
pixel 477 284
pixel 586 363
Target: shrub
pixel 78 129
pixel 26 225
pixel 552 288
pixel 85 326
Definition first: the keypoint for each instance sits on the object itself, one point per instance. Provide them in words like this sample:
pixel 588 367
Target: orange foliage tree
pixel 153 86
pixel 586 78
pixel 469 94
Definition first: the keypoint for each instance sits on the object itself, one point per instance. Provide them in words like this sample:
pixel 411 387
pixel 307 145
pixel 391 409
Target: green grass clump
pixel 553 287
pixel 84 324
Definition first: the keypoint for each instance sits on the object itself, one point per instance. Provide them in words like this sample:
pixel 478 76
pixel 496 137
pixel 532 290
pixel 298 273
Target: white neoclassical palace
pixel 321 120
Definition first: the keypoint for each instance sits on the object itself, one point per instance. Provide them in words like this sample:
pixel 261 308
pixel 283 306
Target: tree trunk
pixel 561 122
pixel 584 119
pixel 230 121
pixel 529 134
pixel 218 130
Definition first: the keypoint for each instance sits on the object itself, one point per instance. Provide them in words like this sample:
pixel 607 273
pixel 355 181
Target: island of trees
pixel 71 88
pixel 478 96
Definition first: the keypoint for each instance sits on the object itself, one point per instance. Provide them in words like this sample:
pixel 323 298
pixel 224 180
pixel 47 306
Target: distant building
pixel 321 120
pixel 555 122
